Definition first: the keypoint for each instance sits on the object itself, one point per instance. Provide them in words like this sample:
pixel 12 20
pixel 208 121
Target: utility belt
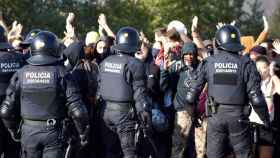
pixel 212 107
pixel 119 106
pixel 43 123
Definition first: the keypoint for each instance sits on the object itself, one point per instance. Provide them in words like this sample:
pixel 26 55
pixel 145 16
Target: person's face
pixel 188 59
pixel 263 69
pixel 254 55
pixel 101 47
pixel 141 55
pixel 89 50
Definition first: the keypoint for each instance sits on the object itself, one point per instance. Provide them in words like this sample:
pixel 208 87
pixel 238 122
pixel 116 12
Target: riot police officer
pixel 10 62
pixel 123 90
pixel 231 80
pixel 46 94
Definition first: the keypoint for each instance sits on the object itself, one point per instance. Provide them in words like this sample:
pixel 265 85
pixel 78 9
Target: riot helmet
pixel 127 41
pixel 45 49
pixel 29 37
pixel 228 38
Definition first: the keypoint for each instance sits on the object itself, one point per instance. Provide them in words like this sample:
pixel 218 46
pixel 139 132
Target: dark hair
pixel 173 34
pixel 262 58
pixel 160 31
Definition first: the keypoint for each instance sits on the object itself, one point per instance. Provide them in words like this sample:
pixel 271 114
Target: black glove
pixel 15 135
pixel 84 137
pixel 267 124
pixel 146 122
pixel 145 117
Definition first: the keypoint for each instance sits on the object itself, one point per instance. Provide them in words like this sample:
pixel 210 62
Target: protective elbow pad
pixel 8 117
pixel 5 110
pixel 191 96
pixel 259 105
pixel 257 99
pixel 80 118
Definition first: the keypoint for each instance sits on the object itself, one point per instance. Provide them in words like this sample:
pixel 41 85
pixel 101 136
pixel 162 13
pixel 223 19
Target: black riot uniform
pixel 84 73
pixel 122 88
pixel 231 80
pixel 10 62
pixel 46 94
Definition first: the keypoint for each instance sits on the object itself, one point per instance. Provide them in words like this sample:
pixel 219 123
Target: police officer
pixel 231 80
pixel 122 85
pixel 46 94
pixel 10 62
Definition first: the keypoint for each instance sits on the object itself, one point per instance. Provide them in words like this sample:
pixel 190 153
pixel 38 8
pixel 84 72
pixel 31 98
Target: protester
pixel 154 80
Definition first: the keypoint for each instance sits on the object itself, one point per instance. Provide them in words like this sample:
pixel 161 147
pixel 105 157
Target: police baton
pixel 68 150
pixel 254 124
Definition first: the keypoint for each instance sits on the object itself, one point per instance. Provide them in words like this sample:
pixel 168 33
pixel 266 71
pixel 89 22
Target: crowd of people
pixel 119 95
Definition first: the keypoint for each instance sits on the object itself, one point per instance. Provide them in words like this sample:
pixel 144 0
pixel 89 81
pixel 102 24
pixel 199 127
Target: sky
pixel 270 6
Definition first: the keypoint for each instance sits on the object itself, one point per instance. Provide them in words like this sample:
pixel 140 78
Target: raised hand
pixel 276 45
pixel 70 18
pixel 194 24
pixel 16 30
pixel 102 20
pixel 265 24
pixel 233 23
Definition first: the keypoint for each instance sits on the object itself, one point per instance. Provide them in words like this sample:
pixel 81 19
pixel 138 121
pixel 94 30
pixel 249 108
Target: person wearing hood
pixel 183 145
pixel 73 55
pixel 85 74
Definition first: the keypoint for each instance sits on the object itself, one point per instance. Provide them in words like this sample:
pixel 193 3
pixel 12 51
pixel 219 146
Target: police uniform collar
pixel 5 46
pixel 43 60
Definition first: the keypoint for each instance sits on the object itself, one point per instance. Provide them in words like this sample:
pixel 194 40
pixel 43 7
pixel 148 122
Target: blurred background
pixel 145 15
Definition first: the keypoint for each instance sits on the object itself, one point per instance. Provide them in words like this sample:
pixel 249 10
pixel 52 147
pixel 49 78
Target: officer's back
pixel 117 72
pixel 46 94
pixel 121 85
pixel 232 82
pixel 10 62
pixel 225 77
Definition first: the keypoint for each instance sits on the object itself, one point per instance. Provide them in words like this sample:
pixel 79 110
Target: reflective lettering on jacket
pixel 10 62
pixel 113 67
pixel 226 67
pixel 41 94
pixel 9 66
pixel 113 84
pixel 225 73
pixel 38 77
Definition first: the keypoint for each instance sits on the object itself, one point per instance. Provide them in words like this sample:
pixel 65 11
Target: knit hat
pixel 259 49
pixel 189 47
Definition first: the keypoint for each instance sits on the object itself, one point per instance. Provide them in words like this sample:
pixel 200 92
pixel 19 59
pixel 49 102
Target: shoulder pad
pixel 246 59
